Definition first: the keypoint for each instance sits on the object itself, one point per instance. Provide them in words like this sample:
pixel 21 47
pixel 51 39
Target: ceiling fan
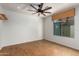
pixel 39 10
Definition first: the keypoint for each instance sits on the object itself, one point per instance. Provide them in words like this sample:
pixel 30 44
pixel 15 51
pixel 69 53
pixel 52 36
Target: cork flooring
pixel 38 48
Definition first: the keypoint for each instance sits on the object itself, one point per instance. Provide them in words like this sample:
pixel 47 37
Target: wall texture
pixel 20 28
pixel 70 42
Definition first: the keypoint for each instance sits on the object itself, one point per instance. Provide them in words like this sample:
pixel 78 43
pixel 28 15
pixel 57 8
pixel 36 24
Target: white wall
pixel 20 28
pixel 70 42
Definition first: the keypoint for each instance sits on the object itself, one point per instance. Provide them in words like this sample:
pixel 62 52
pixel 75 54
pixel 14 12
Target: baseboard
pixel 62 45
pixel 6 45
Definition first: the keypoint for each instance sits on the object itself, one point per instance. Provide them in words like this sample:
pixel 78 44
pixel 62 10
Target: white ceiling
pixel 24 7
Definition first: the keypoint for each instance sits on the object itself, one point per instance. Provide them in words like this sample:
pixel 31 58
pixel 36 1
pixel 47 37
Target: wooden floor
pixel 38 48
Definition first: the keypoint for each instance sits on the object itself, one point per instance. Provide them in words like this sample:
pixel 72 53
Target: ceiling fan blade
pixel 47 12
pixel 33 7
pixel 43 14
pixel 47 8
pixel 40 6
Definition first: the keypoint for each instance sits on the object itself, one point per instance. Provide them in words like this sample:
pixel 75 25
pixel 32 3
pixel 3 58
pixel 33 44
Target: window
pixel 64 27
